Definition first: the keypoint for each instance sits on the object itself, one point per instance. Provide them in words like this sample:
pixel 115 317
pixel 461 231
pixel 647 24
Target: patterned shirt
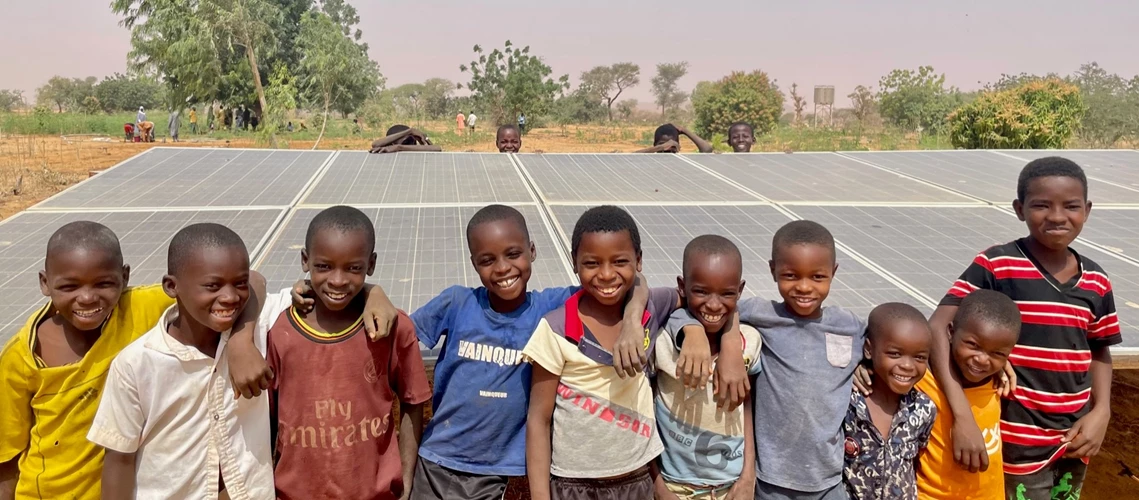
pixel 880 467
pixel 1062 323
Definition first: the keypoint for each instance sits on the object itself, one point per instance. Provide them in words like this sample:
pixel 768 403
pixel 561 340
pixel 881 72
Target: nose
pixel 714 305
pixel 501 266
pixel 606 273
pixel 1056 215
pixel 802 286
pixel 87 296
pixel 907 364
pixel 337 279
pixel 229 296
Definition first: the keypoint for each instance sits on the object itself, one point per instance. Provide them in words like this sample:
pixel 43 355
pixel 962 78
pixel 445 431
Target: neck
pixel 500 305
pixel 965 383
pixel 193 334
pixel 815 315
pixel 331 320
pixel 601 312
pixel 70 331
pixel 1046 256
pixel 884 396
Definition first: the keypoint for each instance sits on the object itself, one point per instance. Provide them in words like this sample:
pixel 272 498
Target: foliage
pixel 126 93
pixel 65 93
pixel 626 108
pixel 1037 114
pixel 11 99
pixel 281 97
pixel 798 103
pixel 862 103
pixel 608 82
pixel 437 97
pixel 911 99
pixel 335 72
pixel 580 106
pixel 665 88
pixel 507 82
pixel 749 97
pixel 344 15
pixel 1112 105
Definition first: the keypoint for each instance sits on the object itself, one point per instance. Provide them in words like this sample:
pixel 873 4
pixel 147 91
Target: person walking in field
pixel 460 124
pixel 194 120
pixel 471 119
pixel 521 123
pixel 138 119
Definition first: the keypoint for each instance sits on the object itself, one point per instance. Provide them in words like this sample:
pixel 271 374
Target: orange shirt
pixel 460 120
pixel 939 476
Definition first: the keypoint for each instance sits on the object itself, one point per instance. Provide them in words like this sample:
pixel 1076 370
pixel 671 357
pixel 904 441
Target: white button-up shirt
pixel 173 407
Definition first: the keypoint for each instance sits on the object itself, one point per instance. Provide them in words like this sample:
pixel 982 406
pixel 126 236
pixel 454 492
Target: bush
pixel 1035 115
pixel 749 97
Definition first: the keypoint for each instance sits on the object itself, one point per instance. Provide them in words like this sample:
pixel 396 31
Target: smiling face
pixel 900 354
pixel 712 288
pixel 607 264
pixel 211 285
pixel 508 141
pixel 502 256
pixel 1055 209
pixel 338 262
pixel 84 285
pixel 980 349
pixel 741 138
pixel 803 273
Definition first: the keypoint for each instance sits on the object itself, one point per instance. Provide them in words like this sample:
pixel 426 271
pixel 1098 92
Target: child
pixel 333 392
pixel 167 420
pixel 886 431
pixel 471 119
pixel 1057 416
pixel 709 453
pixel 403 138
pixel 55 367
pixel 476 439
pixel 982 336
pixel 603 431
pixel 741 137
pixel 508 139
pixel 666 139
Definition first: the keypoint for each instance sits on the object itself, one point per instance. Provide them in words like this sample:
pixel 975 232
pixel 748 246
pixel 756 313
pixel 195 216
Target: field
pixel 39 158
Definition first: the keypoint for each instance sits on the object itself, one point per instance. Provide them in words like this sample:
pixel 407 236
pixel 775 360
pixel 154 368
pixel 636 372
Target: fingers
pixel 983 457
pixel 620 364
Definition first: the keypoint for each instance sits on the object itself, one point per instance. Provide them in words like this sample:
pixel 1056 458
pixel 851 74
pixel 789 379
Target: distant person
pixel 254 121
pixel 172 125
pixel 666 139
pixel 471 119
pixel 140 117
pixel 193 120
pixel 221 118
pixel 460 124
pixel 403 138
pixel 356 130
pixel 246 114
pixel 508 139
pixel 238 116
pixel 210 118
pixel 289 127
pixel 741 137
pixel 521 123
pixel 146 131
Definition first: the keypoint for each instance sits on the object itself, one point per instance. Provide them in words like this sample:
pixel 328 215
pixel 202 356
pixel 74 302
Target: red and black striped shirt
pixel 1062 323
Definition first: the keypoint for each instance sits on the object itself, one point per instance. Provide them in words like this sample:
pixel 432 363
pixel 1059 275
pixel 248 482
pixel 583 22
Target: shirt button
pixel 216 416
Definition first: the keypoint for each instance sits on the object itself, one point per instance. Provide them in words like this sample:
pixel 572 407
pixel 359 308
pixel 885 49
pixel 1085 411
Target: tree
pixel 437 97
pixel 1037 114
pixel 281 97
pixel 580 106
pixel 626 108
pixel 668 94
pixel 336 72
pixel 124 93
pixel 1112 105
pixel 912 99
pixel 607 82
pixel 863 105
pixel 11 99
pixel 798 103
pixel 54 93
pixel 511 81
pixel 749 97
pixel 345 16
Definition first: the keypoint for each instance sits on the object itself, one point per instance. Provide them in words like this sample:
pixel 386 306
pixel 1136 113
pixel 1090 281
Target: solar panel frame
pixel 1116 167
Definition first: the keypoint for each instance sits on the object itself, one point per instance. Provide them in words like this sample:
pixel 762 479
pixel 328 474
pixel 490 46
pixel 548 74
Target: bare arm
pixel 659 148
pixel 968 443
pixel 660 488
pixel 745 485
pixel 629 351
pixel 118 475
pixel 423 148
pixel 1085 438
pixel 9 475
pixel 410 431
pixel 539 419
pixel 248 371
pixel 701 144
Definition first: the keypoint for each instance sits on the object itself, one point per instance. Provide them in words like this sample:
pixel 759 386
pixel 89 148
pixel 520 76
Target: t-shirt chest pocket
pixel 840 349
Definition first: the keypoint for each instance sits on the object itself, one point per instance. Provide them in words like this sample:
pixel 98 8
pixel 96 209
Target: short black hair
pixel 665 130
pixel 801 232
pixel 604 219
pixel 890 312
pixel 196 237
pixel 504 128
pixel 495 213
pixel 87 235
pixel 395 129
pixel 344 219
pixel 708 245
pixel 1050 166
pixel 742 124
pixel 989 306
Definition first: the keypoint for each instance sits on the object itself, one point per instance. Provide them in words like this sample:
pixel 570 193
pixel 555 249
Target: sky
pixel 809 42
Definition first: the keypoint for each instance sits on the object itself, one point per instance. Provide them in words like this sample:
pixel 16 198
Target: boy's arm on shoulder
pixel 433 319
pixel 248 371
pixel 408 375
pixel 118 475
pixel 630 350
pixel 380 315
pixel 968 443
pixel 539 418
pixel 410 433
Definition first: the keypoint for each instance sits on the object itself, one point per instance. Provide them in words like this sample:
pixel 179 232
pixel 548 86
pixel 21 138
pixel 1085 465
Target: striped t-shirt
pixel 1062 323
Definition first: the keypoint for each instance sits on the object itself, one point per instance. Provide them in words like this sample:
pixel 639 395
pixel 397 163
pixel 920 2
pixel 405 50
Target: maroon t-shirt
pixel 332 399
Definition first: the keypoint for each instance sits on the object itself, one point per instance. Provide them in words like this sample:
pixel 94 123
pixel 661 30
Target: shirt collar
pixel 160 340
pixel 906 405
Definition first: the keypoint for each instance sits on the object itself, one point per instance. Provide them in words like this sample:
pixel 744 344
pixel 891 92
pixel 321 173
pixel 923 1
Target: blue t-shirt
pixel 482 385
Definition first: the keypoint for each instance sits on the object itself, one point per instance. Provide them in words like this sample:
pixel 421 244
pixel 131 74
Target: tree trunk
pixel 324 122
pixel 249 50
pixel 609 109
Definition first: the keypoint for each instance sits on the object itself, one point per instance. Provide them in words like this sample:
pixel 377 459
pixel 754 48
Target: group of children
pixel 598 391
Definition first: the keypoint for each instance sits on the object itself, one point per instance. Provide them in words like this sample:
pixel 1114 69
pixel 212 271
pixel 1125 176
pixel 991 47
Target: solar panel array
pixel 906 223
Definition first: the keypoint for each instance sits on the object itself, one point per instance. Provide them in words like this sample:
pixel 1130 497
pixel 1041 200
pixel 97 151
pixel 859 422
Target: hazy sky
pixel 841 43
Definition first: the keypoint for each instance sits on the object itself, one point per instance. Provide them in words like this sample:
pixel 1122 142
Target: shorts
pixel 635 486
pixel 1060 480
pixel 765 491
pixel 435 482
pixel 694 492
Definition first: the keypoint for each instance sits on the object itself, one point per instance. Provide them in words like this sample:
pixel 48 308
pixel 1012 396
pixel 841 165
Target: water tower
pixel 824 103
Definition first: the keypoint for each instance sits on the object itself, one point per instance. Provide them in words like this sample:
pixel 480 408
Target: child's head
pixel 501 252
pixel 606 253
pixel 1052 199
pixel 712 280
pixel 898 343
pixel 665 133
pixel 803 265
pixel 508 139
pixel 982 334
pixel 208 273
pixel 84 274
pixel 741 137
pixel 339 255
pixel 407 141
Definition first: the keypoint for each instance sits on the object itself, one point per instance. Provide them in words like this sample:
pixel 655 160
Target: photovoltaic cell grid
pixel 196 177
pixel 665 230
pixel 625 178
pixel 356 178
pixel 143 236
pixel 821 177
pixel 1119 167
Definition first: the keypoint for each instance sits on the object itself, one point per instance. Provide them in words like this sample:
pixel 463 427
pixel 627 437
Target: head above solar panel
pixel 208 274
pixel 502 255
pixel 339 255
pixel 803 266
pixel 1052 200
pixel 508 139
pixel 1051 166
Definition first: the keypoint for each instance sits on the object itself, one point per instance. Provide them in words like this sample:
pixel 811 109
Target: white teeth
pixel 904 380
pixel 507 283
pixel 336 296
pixel 713 319
pixel 88 313
pixel 608 291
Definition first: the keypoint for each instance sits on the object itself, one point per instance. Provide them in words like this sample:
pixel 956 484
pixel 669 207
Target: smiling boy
pixel 741 137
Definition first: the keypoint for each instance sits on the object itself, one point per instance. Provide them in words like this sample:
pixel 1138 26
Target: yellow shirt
pixel 939 476
pixel 47 411
pixel 193 116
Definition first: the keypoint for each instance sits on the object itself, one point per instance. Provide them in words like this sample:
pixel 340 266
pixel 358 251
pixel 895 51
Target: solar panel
pixel 822 177
pixel 1124 276
pixel 1115 229
pixel 615 178
pixel 1120 167
pixel 356 178
pixel 665 230
pixel 196 177
pixel 143 235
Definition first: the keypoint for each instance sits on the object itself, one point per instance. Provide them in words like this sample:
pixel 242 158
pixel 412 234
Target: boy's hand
pixel 1085 438
pixel 379 313
pixel 248 371
pixel 969 446
pixel 629 352
pixel 730 383
pixel 863 379
pixel 694 366
pixel 302 296
pixel 1005 382
pixel 744 488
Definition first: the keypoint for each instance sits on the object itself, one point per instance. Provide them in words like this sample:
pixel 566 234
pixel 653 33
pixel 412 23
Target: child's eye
pixel 921 357
pixel 212 286
pixel 514 255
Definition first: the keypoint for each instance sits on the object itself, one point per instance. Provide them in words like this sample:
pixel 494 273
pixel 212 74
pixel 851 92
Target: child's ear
pixel 372 264
pixel 771 266
pixel 170 286
pixel 835 270
pixel 533 252
pixel 680 287
pixel 126 275
pixel 867 349
pixel 1018 207
pixel 304 259
pixel 638 262
pixel 44 289
pixel 742 285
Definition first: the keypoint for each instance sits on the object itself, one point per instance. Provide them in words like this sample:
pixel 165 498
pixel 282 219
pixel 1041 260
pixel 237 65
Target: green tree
pixel 125 93
pixel 511 81
pixel 54 93
pixel 608 82
pixel 798 104
pixel 281 97
pixel 749 97
pixel 336 72
pixel 626 108
pixel 11 99
pixel 345 16
pixel 863 105
pixel 1112 105
pixel 665 88
pixel 912 99
pixel 437 97
pixel 579 106
pixel 1037 114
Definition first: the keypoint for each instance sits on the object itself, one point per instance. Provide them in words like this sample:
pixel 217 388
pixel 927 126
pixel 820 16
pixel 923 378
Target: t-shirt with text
pixel 939 476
